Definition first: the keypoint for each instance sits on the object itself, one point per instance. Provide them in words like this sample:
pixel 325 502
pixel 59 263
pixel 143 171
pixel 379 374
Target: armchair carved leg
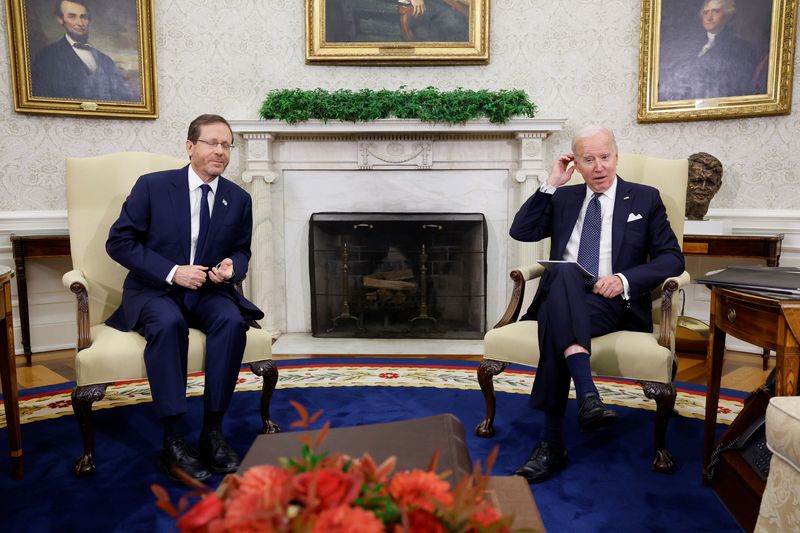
pixel 664 396
pixel 82 399
pixel 488 369
pixel 269 372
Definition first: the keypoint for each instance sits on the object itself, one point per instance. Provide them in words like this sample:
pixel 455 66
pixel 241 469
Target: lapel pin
pixel 224 202
pixel 623 198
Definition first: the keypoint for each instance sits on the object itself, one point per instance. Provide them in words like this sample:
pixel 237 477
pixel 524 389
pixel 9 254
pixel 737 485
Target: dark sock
pixel 212 420
pixel 174 427
pixel 551 430
pixel 581 371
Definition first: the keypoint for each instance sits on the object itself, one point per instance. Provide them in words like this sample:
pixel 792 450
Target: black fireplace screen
pixel 394 275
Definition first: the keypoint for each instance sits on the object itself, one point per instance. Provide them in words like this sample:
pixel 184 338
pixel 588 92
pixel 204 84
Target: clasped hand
pixel 194 276
pixel 608 286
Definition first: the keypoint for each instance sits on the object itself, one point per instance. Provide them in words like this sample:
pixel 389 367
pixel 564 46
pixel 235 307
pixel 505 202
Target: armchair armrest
pixel 668 289
pixel 74 281
pixel 519 276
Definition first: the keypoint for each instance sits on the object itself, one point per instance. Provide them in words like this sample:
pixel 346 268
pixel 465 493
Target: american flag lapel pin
pixel 224 202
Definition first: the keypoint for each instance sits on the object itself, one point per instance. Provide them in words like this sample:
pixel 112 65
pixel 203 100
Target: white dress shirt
pixel 85 55
pixel 195 195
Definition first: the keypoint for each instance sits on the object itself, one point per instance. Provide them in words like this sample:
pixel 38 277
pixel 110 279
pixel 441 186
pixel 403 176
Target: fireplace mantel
pixel 272 148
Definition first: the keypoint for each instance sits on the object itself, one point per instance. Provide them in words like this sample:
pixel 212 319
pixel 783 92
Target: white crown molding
pixel 395 125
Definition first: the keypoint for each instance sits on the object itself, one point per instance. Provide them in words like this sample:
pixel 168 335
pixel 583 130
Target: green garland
pixel 427 105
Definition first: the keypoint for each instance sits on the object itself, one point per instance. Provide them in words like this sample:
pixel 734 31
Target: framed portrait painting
pixel 715 59
pixel 397 31
pixel 83 58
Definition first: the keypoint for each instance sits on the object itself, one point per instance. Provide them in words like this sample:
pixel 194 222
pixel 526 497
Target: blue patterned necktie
pixel 589 247
pixel 205 220
pixel 192 296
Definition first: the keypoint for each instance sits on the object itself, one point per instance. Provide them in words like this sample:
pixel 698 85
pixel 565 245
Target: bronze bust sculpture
pixel 705 179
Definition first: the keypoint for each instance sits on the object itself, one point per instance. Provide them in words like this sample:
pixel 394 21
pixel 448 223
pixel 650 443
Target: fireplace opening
pixel 396 275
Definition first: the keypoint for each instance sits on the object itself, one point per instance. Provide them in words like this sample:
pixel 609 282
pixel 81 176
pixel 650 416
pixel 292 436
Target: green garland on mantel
pixel 428 105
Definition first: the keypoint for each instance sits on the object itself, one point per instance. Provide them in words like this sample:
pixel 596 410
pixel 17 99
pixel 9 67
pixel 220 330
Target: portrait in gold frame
pixel 745 70
pixel 52 58
pixel 380 32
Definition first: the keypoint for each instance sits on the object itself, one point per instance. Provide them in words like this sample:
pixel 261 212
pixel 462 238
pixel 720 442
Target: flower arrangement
pixel 334 493
pixel 428 105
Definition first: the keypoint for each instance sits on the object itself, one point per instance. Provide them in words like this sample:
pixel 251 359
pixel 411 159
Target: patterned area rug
pixel 369 373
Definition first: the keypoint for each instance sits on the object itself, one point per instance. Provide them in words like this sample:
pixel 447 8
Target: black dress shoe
pixel 217 454
pixel 547 459
pixel 593 414
pixel 176 454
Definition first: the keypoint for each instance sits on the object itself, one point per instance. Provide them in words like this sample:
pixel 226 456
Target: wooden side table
pixel 771 322
pixel 33 246
pixel 8 373
pixel 766 247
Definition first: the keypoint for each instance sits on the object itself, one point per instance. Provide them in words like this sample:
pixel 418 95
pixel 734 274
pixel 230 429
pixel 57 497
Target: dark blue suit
pixel 150 237
pixel 645 250
pixel 58 72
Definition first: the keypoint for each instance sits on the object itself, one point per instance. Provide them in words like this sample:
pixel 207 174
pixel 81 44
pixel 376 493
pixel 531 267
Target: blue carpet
pixel 607 486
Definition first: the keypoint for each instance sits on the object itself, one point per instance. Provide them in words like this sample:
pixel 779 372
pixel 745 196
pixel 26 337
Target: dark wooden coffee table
pixel 413 443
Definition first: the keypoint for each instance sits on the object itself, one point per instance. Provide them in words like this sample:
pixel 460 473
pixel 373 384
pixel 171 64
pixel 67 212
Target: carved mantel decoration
pixel 273 148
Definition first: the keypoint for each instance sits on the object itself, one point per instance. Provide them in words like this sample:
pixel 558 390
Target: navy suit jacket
pixel 645 250
pixel 58 72
pixel 153 234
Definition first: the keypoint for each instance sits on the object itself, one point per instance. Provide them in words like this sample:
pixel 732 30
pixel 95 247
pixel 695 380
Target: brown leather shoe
pixel 546 460
pixel 593 414
pixel 217 454
pixel 176 454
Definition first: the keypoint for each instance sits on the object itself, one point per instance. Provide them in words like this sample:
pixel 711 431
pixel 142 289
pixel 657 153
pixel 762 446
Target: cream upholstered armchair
pixel 645 357
pixel 780 504
pixel 96 189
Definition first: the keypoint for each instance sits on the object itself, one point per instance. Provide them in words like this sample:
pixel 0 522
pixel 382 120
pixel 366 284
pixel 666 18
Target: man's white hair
pixel 728 6
pixel 591 131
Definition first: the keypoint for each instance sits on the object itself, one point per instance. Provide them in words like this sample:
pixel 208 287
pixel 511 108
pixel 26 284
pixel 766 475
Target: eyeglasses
pixel 226 147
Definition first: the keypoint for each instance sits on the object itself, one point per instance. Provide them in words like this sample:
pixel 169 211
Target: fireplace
pixel 295 170
pixel 398 275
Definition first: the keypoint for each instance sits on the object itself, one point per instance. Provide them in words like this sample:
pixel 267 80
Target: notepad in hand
pixel 547 263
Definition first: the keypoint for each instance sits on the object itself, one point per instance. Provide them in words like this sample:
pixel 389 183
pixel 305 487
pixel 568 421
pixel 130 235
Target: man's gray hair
pixel 591 131
pixel 728 6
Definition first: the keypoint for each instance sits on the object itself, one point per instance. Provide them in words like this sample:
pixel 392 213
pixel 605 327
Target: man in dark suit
pixel 714 63
pixel 72 68
pixel 184 235
pixel 620 233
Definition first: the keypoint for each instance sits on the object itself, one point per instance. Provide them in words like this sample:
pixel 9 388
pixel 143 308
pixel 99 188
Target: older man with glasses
pixel 184 235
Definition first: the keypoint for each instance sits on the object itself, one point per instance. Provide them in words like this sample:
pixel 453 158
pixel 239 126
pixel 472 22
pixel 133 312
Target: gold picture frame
pixel 112 74
pixel 397 32
pixel 744 71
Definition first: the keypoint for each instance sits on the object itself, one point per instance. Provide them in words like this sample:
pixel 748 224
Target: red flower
pixel 419 489
pixel 424 522
pixel 202 515
pixel 344 519
pixel 325 488
pixel 389 375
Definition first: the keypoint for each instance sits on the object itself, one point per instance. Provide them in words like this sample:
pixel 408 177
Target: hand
pixel 608 286
pixel 559 175
pixel 222 272
pixel 190 276
pixel 419 7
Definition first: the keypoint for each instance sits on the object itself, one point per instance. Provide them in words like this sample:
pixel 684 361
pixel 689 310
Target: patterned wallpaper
pixel 577 59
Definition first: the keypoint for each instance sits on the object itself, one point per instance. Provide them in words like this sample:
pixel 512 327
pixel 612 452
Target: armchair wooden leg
pixel 82 399
pixel 488 369
pixel 664 395
pixel 269 372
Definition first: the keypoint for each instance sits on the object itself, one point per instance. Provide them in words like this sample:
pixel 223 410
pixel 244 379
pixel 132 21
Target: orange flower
pixel 262 488
pixel 486 516
pixel 202 515
pixel 417 489
pixel 344 519
pixel 325 488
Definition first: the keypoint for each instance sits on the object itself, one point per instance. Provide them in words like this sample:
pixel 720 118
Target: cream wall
pixel 575 58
